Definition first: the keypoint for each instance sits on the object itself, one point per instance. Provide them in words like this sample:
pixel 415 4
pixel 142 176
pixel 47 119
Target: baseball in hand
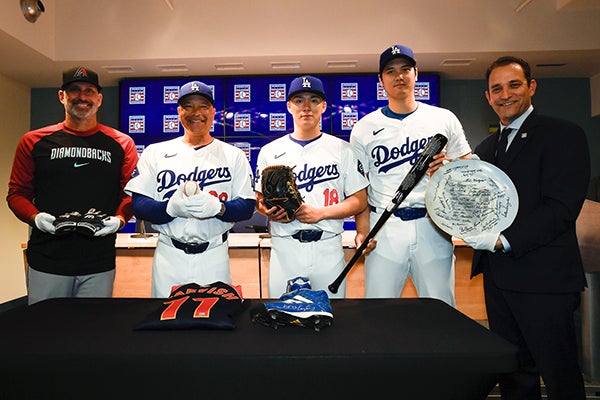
pixel 190 188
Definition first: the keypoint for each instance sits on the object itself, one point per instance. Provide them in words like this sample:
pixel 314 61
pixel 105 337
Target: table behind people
pixel 249 259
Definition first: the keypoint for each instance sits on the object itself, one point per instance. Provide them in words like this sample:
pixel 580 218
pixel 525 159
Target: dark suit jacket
pixel 549 163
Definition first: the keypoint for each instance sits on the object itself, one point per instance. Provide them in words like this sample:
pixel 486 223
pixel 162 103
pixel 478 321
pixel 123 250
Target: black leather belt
pixel 195 248
pixel 308 235
pixel 407 213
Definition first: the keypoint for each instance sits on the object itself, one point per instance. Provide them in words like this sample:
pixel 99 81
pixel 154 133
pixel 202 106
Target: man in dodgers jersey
pixel 331 185
pixel 192 245
pixel 387 142
pixel 68 169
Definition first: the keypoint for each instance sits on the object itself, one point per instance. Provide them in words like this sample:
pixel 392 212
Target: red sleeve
pixel 20 185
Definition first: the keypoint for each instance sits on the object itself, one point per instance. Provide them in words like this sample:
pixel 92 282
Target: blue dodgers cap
pixel 396 51
pixel 195 87
pixel 306 83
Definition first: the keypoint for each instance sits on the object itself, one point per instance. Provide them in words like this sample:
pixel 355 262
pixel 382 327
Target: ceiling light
pixel 229 67
pixel 32 9
pixel 457 62
pixel 285 65
pixel 118 69
pixel 173 67
pixel 342 64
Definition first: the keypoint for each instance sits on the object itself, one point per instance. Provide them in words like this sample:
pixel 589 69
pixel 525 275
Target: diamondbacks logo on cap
pixel 80 73
pixel 306 83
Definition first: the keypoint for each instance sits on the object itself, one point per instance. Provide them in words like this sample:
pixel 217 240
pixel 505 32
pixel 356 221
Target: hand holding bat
pixel 409 182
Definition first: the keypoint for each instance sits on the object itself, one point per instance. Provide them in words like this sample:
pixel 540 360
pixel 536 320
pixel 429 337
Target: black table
pixel 86 349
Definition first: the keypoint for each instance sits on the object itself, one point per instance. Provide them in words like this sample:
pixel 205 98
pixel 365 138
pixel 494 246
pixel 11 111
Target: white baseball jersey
pixel 219 168
pixel 326 173
pixel 388 147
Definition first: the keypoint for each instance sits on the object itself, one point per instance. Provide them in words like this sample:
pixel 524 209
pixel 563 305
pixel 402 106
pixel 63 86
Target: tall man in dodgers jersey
pixel 331 184
pixel 387 142
pixel 192 245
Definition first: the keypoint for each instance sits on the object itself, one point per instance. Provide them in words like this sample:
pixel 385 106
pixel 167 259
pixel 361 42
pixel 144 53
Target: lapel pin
pixel 523 135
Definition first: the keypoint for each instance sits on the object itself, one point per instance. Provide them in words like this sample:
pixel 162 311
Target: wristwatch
pixel 222 210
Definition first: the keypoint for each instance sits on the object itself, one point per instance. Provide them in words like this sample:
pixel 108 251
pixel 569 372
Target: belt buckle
pixel 301 237
pixel 195 248
pixel 189 248
pixel 311 236
pixel 410 213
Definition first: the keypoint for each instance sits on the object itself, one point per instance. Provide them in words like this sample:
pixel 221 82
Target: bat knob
pixel 333 288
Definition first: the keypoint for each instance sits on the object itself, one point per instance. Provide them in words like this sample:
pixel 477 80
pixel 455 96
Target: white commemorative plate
pixel 467 197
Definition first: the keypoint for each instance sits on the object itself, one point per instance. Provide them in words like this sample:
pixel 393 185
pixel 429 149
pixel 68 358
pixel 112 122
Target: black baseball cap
pixel 80 74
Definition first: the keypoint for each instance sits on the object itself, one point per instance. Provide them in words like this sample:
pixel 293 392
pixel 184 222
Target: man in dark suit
pixel 533 273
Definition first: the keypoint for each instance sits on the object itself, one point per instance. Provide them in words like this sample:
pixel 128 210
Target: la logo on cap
pixel 80 72
pixel 396 50
pixel 306 83
pixel 195 87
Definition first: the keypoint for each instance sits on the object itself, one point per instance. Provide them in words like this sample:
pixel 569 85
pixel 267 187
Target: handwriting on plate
pixel 467 201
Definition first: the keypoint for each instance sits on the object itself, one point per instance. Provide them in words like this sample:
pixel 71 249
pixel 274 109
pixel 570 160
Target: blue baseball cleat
pixel 302 307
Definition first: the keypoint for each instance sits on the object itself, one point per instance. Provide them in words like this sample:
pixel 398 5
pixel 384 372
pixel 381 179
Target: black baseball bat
pixel 409 182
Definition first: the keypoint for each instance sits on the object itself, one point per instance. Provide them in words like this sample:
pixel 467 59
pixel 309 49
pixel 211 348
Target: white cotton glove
pixel 201 205
pixel 111 225
pixel 178 204
pixel 204 205
pixel 45 222
pixel 482 241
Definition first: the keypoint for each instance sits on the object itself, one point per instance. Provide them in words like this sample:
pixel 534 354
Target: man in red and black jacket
pixel 67 183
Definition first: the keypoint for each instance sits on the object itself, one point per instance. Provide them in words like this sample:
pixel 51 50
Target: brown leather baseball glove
pixel 279 189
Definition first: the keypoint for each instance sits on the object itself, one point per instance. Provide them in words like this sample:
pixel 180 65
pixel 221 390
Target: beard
pixel 77 113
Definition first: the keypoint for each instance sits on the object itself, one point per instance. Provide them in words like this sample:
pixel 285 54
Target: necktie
pixel 501 152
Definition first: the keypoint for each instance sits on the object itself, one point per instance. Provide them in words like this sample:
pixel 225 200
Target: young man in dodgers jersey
pixel 192 245
pixel 65 168
pixel 387 142
pixel 331 184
